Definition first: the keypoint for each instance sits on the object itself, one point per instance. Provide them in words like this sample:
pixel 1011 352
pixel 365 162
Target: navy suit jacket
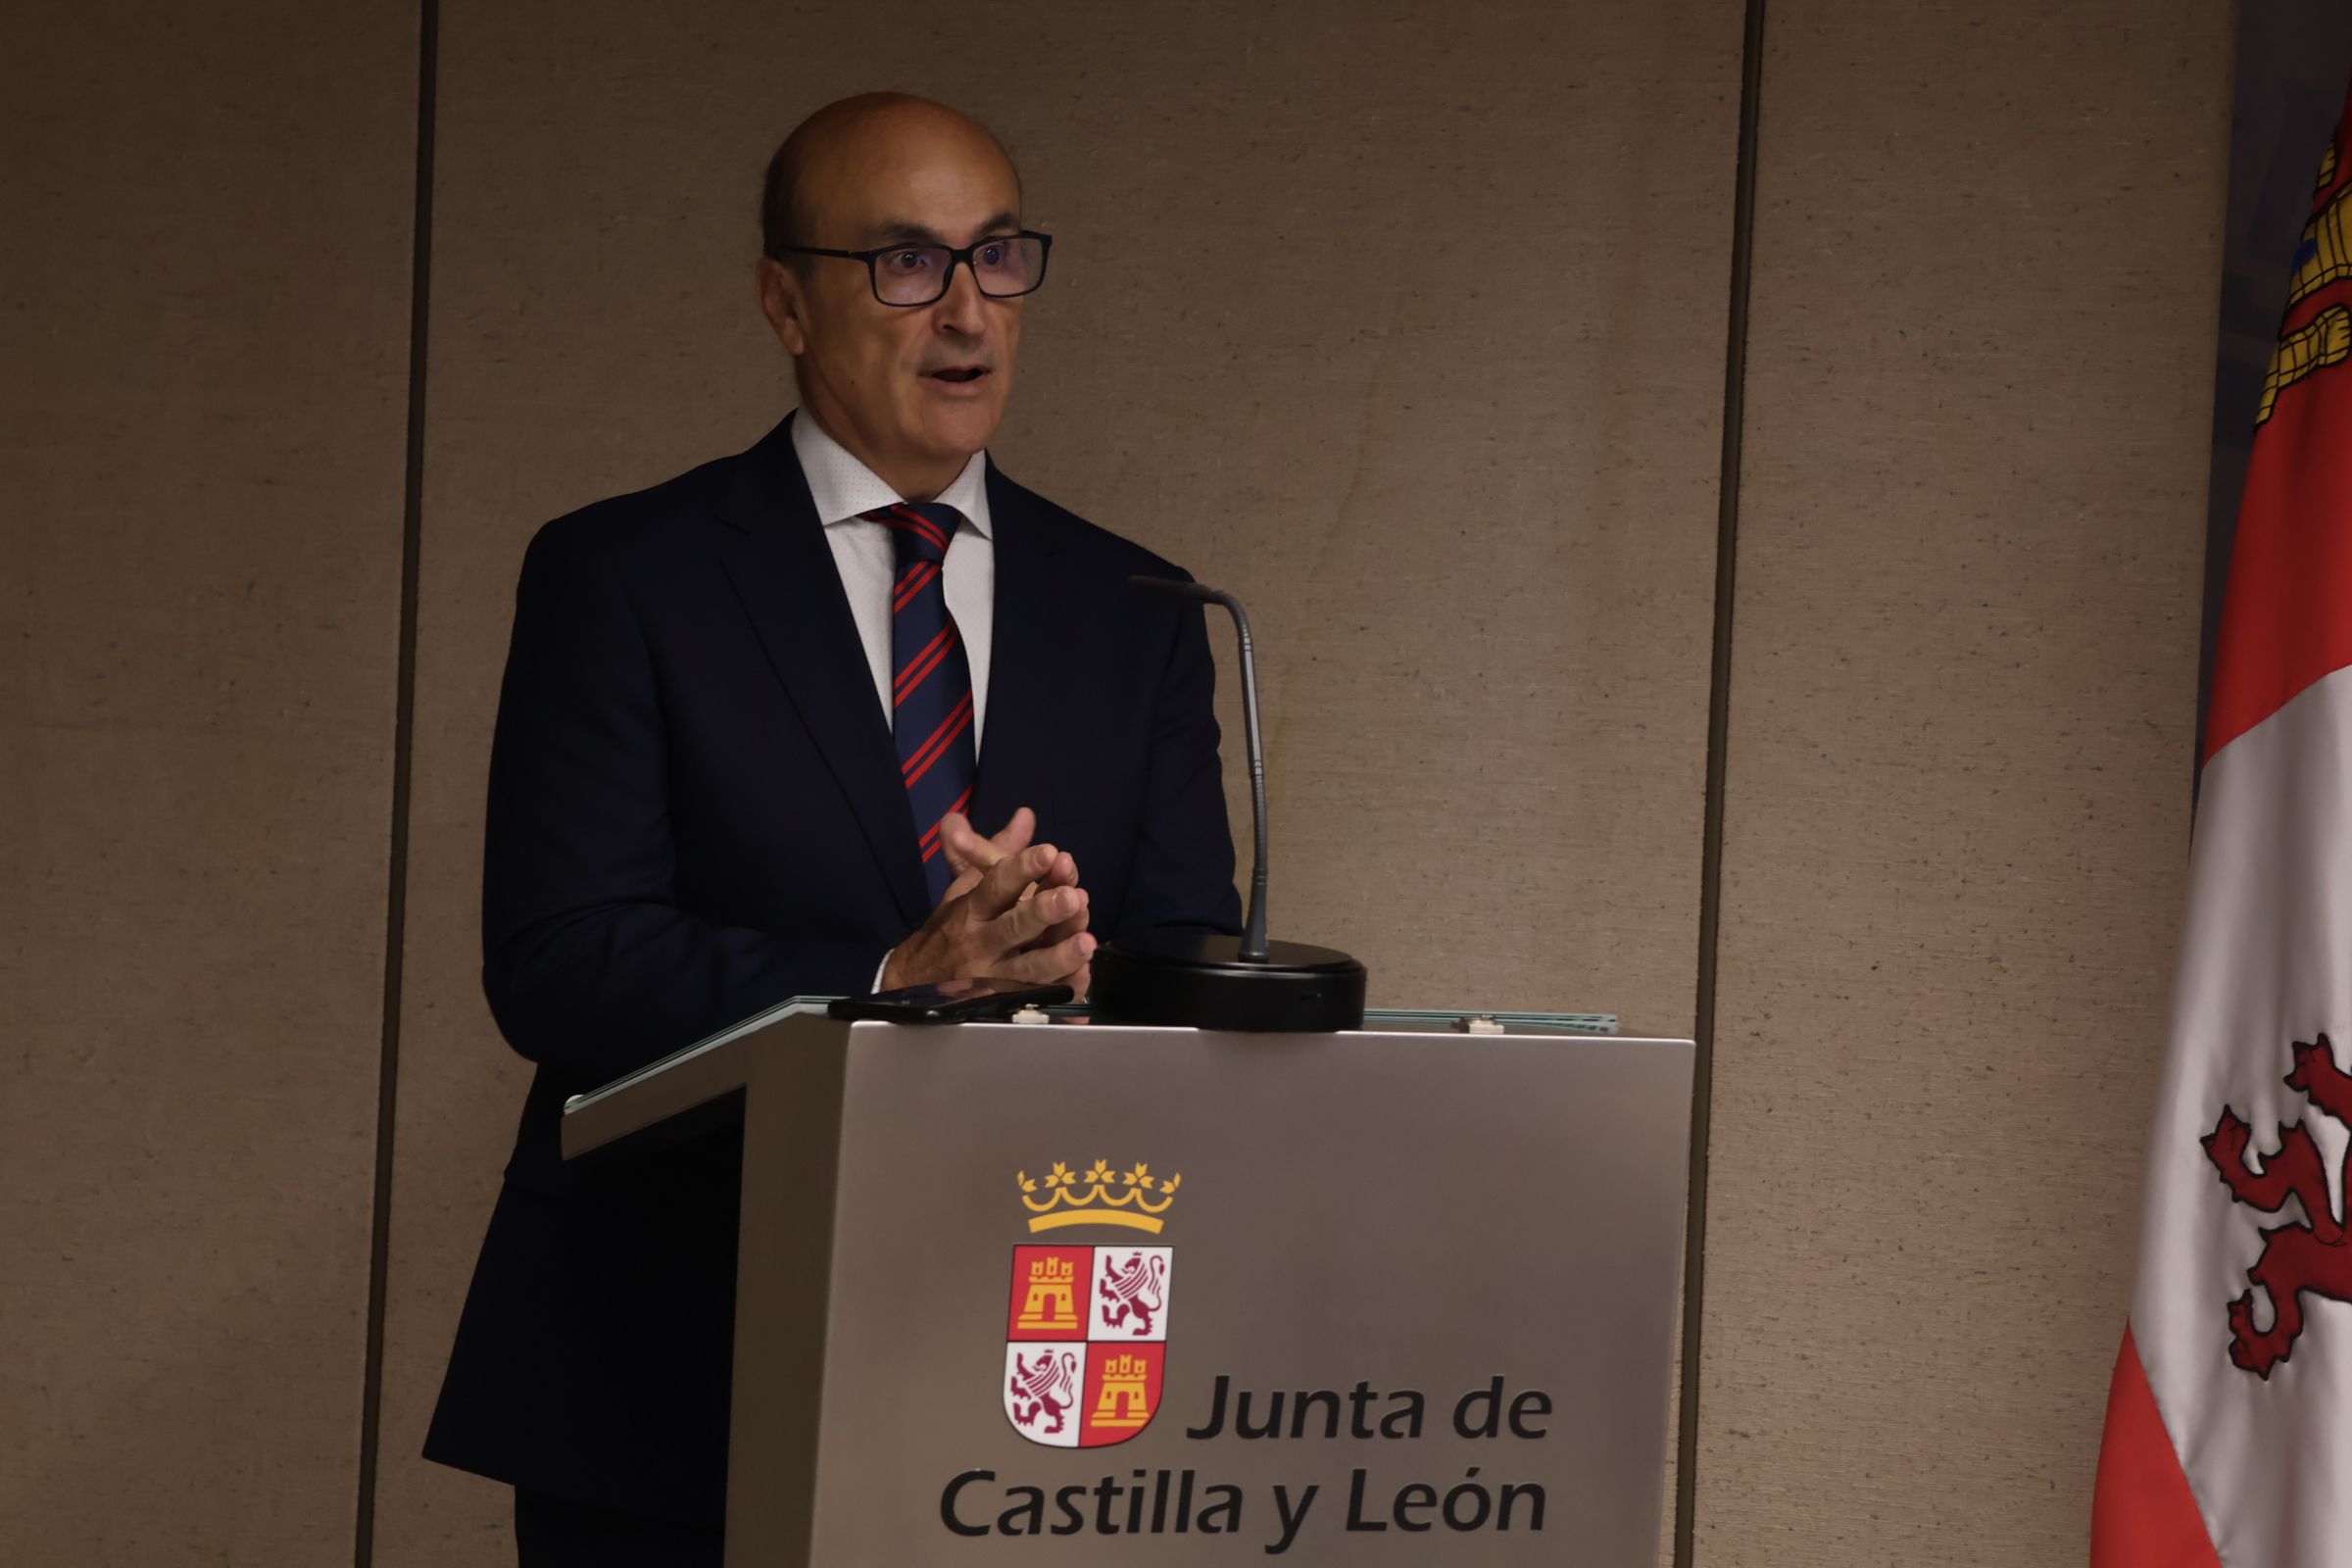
pixel 695 813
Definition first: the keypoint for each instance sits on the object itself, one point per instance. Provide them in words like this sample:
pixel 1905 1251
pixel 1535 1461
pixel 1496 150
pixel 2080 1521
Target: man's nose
pixel 962 308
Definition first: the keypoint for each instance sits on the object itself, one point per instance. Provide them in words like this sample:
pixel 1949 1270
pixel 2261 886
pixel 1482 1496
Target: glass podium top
pixel 1377 1020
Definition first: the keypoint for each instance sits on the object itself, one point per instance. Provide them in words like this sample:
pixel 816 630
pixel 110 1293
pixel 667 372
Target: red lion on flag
pixel 2308 1257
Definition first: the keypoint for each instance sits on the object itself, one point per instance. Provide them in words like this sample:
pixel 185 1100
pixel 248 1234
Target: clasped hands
pixel 1014 911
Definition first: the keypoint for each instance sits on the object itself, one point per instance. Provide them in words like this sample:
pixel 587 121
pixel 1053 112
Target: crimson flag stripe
pixel 2290 561
pixel 2142 1515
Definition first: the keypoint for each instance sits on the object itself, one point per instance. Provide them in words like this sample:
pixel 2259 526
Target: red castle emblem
pixel 2311 1257
pixel 1086 1333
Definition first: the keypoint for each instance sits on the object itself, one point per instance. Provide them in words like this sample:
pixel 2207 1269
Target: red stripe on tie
pixel 931 839
pixel 925 652
pixel 940 739
pixel 924 526
pixel 928 753
pixel 962 801
pixel 917 524
pixel 927 534
pixel 916 582
pixel 927 528
pixel 930 658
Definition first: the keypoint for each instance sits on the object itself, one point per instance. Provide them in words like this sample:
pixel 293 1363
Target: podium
pixel 1070 1292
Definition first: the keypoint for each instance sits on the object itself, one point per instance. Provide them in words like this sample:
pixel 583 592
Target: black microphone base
pixel 1203 981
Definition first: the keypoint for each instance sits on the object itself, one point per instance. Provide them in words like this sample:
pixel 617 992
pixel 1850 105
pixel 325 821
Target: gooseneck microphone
pixel 1211 981
pixel 1253 931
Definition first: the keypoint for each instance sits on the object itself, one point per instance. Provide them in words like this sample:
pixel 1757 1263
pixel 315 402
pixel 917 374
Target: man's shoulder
pixel 1089 547
pixel 642 527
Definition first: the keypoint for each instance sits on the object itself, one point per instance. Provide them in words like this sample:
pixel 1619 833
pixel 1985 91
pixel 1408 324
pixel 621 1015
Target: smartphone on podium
pixel 950 1001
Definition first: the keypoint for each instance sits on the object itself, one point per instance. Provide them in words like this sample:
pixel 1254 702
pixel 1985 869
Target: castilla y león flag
pixel 2229 1437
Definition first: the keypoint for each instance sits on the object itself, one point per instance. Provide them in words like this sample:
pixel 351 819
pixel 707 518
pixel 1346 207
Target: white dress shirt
pixel 843 488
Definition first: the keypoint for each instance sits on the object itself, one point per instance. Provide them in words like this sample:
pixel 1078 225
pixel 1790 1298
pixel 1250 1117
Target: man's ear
pixel 784 301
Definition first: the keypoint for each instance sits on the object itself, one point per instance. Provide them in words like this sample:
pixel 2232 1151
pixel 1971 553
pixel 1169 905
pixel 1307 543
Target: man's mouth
pixel 957 375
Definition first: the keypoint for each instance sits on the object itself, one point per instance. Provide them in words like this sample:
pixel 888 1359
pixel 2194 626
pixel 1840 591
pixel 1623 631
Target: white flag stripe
pixel 2266 960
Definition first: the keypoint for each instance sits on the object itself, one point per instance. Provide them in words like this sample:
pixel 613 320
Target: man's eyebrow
pixel 905 231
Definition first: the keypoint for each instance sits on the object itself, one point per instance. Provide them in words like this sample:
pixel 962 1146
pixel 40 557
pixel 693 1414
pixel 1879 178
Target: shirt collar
pixel 845 489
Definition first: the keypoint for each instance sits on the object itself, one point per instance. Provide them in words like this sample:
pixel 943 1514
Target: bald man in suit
pixel 749 721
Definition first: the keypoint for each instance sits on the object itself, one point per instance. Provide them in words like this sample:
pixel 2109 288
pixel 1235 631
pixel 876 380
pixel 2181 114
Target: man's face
pixel 913 390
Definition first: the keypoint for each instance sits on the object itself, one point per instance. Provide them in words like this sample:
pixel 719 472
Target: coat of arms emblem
pixel 1087 1330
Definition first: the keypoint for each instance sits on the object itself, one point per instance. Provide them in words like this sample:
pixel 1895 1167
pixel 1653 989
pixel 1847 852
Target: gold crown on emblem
pixel 1096 1196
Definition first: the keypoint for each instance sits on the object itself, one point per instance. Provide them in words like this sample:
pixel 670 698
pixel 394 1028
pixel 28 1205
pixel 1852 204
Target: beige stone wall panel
pixel 1972 519
pixel 204 323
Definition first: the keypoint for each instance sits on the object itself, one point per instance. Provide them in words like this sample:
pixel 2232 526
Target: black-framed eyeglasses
pixel 1004 265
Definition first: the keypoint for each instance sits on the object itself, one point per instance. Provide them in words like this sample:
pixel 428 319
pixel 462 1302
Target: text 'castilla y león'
pixel 1178 1501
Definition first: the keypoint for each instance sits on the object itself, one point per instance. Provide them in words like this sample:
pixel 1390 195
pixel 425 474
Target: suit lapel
pixel 783 572
pixel 1020 753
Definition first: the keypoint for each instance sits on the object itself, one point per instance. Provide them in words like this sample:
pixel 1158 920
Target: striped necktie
pixel 931 681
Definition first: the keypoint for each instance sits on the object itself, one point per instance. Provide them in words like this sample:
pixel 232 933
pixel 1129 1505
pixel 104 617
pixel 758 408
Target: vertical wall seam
pixel 404 728
pixel 1719 707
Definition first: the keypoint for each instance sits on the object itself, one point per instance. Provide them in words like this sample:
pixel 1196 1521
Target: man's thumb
pixel 965 850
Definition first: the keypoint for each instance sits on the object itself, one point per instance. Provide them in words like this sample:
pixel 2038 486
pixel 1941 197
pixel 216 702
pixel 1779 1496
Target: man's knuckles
pixel 1055 906
pixel 1008 876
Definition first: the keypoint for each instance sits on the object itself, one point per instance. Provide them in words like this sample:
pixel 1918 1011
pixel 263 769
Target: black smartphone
pixel 950 1001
